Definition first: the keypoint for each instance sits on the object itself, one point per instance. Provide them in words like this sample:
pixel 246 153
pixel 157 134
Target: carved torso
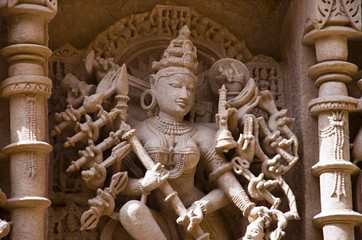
pixel 176 148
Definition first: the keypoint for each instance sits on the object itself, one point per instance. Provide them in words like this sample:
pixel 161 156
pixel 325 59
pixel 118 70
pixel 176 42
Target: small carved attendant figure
pixel 76 90
pixel 255 230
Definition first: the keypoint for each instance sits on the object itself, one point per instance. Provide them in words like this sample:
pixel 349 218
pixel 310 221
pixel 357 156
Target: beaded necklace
pixel 170 128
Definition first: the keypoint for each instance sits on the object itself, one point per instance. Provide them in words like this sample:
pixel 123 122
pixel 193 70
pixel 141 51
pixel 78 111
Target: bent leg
pixel 137 219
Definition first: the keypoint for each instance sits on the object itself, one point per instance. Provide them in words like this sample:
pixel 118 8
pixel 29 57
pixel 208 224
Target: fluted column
pixel 28 89
pixel 332 24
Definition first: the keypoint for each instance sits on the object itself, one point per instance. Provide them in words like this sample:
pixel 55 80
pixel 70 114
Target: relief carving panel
pixel 210 134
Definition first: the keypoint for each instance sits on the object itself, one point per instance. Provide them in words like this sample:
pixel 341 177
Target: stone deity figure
pixel 177 146
pixel 171 147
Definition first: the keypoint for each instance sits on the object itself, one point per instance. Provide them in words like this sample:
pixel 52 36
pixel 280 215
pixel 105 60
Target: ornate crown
pixel 179 57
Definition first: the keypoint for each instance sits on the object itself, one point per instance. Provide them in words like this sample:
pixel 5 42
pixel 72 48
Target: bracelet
pixel 140 186
pixel 242 201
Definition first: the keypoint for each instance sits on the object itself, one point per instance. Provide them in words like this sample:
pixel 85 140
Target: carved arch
pixel 154 29
pixel 141 38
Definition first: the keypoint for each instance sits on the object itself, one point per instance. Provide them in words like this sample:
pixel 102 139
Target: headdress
pixel 179 57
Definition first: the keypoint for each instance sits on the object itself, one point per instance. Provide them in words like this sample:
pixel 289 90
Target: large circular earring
pixel 153 103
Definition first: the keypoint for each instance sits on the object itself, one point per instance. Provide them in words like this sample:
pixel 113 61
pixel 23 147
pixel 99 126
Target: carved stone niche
pixel 138 40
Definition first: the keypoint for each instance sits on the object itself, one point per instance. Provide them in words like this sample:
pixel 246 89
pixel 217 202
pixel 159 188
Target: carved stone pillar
pixel 332 24
pixel 28 89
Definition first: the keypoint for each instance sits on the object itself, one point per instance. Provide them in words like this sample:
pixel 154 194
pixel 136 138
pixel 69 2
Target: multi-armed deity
pixel 152 169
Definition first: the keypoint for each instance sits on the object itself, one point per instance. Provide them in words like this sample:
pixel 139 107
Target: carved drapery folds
pixel 331 25
pixel 252 101
pixel 27 89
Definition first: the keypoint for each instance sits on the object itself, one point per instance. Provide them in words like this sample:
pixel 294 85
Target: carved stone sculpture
pixel 27 88
pixel 332 106
pixel 4 226
pixel 170 146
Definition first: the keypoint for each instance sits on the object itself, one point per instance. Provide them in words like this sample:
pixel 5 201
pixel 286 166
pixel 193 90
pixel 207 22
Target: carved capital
pixel 327 14
pixel 42 7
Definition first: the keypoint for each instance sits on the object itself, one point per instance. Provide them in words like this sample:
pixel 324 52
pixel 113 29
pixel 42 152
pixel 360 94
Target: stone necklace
pixel 167 131
pixel 170 128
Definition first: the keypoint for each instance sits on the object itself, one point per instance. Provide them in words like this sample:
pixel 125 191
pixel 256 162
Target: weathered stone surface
pixel 69 24
pixel 272 56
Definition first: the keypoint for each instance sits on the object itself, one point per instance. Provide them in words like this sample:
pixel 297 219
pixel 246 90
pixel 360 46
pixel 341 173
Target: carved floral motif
pixel 336 135
pixel 347 11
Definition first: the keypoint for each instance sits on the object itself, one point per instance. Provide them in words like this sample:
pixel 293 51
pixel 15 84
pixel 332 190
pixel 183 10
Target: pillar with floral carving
pixel 27 89
pixel 331 24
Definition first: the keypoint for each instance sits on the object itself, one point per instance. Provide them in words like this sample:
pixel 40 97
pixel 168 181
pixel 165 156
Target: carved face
pixel 174 95
pixel 253 232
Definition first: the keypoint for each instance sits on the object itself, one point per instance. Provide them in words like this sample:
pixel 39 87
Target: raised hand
pixel 95 176
pixel 153 178
pixel 192 218
pixel 105 200
pixel 69 115
pixel 93 154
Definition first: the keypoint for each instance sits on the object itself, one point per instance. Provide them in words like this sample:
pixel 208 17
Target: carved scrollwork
pixel 166 21
pixel 342 11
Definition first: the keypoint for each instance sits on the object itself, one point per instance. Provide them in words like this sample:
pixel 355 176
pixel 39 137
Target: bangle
pixel 140 186
pixel 242 201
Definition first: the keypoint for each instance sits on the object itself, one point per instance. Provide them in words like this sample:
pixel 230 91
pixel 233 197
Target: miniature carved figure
pixel 174 22
pixel 255 230
pixel 170 147
pixel 166 21
pixel 76 90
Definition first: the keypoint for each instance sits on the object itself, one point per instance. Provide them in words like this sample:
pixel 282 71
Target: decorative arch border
pixel 162 24
pixel 139 34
